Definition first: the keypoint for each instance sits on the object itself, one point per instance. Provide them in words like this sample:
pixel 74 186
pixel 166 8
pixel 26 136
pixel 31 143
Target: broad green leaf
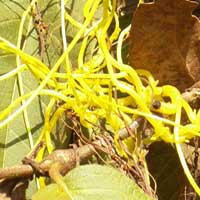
pixel 13 137
pixel 14 144
pixel 94 182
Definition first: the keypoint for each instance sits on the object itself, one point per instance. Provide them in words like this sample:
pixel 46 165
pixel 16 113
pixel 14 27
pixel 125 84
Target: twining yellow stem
pixel 14 72
pixel 46 130
pixel 180 152
pixel 140 1
pixel 54 68
pixel 89 90
pixel 120 42
pixel 64 39
pixel 54 173
pixel 88 80
pixel 72 21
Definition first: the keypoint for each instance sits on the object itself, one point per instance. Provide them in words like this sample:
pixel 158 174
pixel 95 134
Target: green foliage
pixel 94 182
pixel 14 144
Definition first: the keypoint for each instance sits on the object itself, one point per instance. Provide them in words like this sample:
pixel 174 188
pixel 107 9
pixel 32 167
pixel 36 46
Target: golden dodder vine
pixel 88 89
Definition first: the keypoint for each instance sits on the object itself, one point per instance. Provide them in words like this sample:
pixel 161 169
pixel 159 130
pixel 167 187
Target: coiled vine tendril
pixel 88 89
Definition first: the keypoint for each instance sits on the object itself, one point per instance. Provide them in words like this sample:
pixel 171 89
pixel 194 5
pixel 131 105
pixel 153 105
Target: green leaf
pixel 94 182
pixel 13 137
pixel 14 144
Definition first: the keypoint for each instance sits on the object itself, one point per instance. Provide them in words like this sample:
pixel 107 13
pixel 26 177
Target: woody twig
pixel 67 157
pixel 41 28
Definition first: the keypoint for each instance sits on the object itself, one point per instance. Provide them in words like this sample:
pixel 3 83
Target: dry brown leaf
pixel 165 39
pixel 14 189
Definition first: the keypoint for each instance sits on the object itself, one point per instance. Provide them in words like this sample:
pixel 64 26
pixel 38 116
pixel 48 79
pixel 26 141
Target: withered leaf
pixel 165 39
pixel 14 189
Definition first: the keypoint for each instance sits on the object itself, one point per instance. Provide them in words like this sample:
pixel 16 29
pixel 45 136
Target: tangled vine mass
pixel 102 87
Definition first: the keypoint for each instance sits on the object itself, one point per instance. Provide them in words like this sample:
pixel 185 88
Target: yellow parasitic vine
pixel 88 89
